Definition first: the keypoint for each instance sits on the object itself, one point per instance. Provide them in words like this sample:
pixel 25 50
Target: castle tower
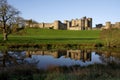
pixel 43 25
pixel 82 24
pixel 65 21
pixel 73 22
pixel 86 24
pixel 56 24
pixel 79 24
pixel 89 23
pixel 108 25
pixel 68 25
pixel 117 25
pixel 84 17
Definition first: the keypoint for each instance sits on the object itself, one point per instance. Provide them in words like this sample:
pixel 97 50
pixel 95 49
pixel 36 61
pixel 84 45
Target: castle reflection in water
pixel 84 55
pixel 11 58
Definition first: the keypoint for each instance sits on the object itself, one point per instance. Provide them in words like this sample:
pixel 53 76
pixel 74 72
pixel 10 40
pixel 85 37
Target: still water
pixel 44 59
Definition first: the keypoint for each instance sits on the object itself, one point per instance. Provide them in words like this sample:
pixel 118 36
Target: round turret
pixel 108 25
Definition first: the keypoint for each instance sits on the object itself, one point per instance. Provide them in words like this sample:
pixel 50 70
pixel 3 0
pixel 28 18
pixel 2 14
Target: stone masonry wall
pixel 108 25
pixel 75 24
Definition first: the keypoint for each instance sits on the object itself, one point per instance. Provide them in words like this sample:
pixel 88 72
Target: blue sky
pixel 50 10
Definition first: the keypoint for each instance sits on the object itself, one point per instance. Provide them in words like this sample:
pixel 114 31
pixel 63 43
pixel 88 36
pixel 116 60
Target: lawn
pixel 46 36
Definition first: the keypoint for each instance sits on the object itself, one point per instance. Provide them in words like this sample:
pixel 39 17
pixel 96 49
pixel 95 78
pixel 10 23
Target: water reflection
pixel 44 59
pixel 73 54
pixel 108 56
pixel 8 58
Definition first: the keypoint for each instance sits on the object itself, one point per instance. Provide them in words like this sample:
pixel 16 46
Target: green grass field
pixel 46 36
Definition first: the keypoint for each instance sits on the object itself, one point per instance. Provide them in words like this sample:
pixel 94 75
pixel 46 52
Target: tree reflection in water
pixel 12 58
pixel 109 57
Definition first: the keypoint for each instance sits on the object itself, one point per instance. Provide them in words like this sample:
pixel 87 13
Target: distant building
pixel 108 25
pixel 75 24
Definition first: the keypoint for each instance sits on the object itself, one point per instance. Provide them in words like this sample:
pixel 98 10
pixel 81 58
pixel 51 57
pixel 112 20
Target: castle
pixel 75 24
pixel 108 25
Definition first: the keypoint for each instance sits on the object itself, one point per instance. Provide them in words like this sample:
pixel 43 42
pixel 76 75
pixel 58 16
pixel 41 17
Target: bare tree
pixel 18 25
pixel 7 17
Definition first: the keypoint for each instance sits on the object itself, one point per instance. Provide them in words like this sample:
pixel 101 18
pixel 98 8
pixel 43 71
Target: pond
pixel 44 59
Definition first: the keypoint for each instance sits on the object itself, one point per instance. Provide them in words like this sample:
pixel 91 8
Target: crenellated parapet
pixel 75 24
pixel 80 24
pixel 108 25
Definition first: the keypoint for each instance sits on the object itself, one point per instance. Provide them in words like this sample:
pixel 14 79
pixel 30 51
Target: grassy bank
pixel 49 36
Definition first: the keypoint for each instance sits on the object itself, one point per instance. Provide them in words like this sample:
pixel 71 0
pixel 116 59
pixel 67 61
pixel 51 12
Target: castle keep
pixel 79 24
pixel 75 24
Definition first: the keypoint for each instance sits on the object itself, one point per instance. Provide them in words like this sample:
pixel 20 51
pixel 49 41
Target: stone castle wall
pixel 80 24
pixel 45 25
pixel 75 24
pixel 108 25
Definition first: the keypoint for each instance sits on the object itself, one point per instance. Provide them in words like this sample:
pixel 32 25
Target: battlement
pixel 108 25
pixel 75 24
pixel 79 24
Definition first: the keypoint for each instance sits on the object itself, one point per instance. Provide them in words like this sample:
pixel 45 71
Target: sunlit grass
pixel 40 36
